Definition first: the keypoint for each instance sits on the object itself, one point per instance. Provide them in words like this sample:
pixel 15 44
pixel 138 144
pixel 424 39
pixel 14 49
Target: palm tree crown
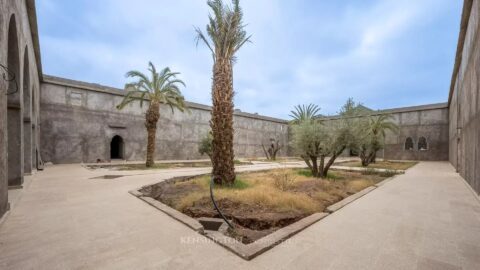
pixel 161 87
pixel 304 112
pixel 225 30
pixel 380 124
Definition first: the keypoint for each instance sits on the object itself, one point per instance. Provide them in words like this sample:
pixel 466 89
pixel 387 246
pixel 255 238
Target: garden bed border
pixel 252 250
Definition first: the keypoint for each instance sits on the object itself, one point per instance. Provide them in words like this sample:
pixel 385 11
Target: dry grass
pixel 283 179
pixel 358 185
pixel 389 165
pixel 188 201
pixel 281 190
pixel 270 197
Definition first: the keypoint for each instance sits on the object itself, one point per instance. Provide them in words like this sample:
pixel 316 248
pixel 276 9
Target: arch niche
pixel 14 109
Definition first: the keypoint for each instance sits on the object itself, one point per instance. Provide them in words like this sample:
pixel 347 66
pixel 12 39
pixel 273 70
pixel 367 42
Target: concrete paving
pixel 424 219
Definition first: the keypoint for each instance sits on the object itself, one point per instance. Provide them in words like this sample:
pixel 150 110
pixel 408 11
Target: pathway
pixel 424 219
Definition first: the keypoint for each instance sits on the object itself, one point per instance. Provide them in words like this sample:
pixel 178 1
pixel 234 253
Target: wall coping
pixel 427 107
pixel 467 9
pixel 32 19
pixel 48 79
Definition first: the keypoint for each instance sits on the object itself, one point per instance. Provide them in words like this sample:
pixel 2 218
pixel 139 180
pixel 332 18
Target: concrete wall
pixel 428 121
pixel 19 52
pixel 79 121
pixel 465 99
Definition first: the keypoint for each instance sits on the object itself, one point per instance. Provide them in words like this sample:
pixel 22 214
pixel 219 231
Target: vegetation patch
pixel 388 165
pixel 260 203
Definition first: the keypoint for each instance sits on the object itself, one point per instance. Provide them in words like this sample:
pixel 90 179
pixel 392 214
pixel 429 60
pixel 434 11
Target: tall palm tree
pixel 161 88
pixel 304 112
pixel 225 36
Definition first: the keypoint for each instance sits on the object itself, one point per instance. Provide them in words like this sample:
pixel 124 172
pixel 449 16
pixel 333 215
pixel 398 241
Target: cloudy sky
pixel 383 53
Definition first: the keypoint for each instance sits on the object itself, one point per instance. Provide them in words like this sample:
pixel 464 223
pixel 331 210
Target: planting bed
pixel 260 203
pixel 387 165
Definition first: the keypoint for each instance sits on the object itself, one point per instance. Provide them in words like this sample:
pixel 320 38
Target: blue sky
pixel 383 53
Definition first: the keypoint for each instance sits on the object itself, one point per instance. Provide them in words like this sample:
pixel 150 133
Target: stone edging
pixel 260 246
pixel 265 243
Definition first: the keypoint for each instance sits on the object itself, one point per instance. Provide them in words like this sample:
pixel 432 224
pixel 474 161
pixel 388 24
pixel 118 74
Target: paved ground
pixel 425 219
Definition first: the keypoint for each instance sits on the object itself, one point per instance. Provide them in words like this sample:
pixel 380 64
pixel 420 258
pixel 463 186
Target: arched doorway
pixel 117 148
pixel 14 109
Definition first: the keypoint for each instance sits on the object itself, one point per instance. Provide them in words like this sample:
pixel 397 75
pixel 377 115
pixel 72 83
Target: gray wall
pixel 430 122
pixel 465 99
pixel 18 112
pixel 79 121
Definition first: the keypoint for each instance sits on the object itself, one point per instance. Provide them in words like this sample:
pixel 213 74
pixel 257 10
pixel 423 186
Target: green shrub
pixel 205 145
pixel 369 171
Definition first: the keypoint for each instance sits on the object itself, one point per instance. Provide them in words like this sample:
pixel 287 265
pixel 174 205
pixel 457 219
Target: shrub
pixel 369 171
pixel 205 145
pixel 283 180
pixel 388 173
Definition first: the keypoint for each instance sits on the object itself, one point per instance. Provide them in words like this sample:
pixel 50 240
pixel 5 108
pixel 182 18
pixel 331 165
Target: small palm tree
pixel 304 112
pixel 375 132
pixel 161 88
pixel 225 36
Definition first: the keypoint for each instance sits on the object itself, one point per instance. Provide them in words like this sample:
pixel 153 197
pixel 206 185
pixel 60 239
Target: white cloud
pixel 300 52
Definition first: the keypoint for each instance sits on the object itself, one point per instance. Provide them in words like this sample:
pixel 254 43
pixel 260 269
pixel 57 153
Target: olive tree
pixel 320 143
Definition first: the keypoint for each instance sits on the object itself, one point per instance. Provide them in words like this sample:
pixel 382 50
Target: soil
pixel 169 193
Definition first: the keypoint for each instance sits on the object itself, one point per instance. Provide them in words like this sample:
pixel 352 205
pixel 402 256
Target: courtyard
pixel 427 218
pixel 136 152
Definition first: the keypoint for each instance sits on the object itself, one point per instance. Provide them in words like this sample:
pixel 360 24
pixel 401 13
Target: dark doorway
pixel 116 148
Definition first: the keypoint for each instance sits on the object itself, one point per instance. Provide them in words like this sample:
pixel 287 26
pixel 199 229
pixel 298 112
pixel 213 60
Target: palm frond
pixel 304 112
pixel 162 87
pixel 225 30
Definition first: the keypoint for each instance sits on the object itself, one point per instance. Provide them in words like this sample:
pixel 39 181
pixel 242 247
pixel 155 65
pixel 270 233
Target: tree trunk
pixel 151 120
pixel 331 161
pixel 364 157
pixel 314 167
pixel 266 152
pixel 307 161
pixel 320 167
pixel 222 123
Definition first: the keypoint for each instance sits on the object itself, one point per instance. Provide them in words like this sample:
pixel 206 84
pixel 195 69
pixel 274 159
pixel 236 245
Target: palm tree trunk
pixel 151 120
pixel 222 123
